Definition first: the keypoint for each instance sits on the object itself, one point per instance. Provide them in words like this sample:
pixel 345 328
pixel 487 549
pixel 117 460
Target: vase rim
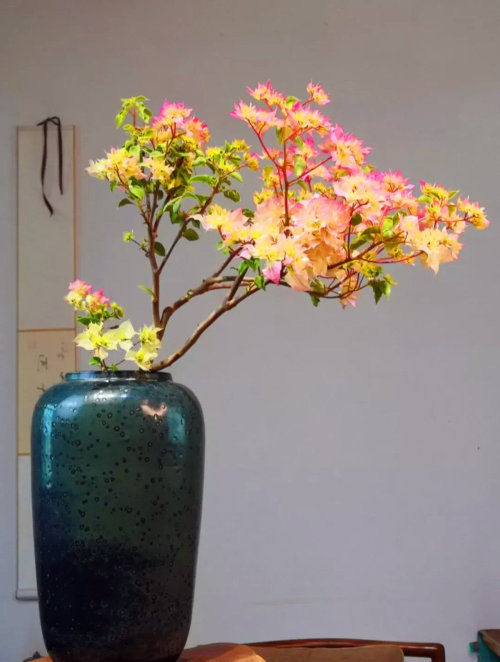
pixel 113 375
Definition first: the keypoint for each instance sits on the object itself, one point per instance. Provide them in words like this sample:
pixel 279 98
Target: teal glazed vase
pixel 117 479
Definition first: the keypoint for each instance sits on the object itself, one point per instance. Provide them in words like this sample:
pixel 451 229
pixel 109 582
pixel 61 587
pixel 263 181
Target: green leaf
pixel 232 195
pixel 135 150
pixel 83 320
pixel 252 263
pixel 120 117
pixel 147 290
pixel 387 226
pixel 190 234
pixel 314 299
pixel 358 241
pixel 175 205
pixel 356 219
pixel 318 286
pixel 249 213
pixel 260 281
pixel 299 164
pixel 95 361
pixel 290 101
pixel 137 191
pixel 189 194
pixel 377 290
pixel 124 202
pixel 205 179
pixel 112 185
pixel 160 249
pixel 279 135
pixel 237 175
pixel 452 194
pixel 381 287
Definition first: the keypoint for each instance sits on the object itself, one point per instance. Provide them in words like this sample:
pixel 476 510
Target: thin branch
pixel 226 263
pixel 238 281
pixel 184 225
pixel 309 170
pixel 202 327
pixel 208 285
pixel 174 244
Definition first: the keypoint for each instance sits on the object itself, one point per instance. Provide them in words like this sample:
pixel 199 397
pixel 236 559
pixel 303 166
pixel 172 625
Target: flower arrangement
pixel 325 222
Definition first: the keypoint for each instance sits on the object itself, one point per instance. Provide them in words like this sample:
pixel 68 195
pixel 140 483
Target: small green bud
pixel 117 310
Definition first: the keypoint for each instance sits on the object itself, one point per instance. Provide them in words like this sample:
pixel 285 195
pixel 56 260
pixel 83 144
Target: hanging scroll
pixel 45 324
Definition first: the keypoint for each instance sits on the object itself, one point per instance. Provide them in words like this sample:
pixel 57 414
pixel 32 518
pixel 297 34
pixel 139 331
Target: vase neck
pixel 117 375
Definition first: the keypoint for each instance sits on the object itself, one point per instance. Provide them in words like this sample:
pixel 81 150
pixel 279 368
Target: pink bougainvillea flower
pixel 347 151
pixel 78 291
pixel 259 119
pixel 265 92
pixel 273 272
pixel 80 287
pixel 317 94
pixel 197 130
pixel 96 300
pixel 394 181
pixel 305 119
pixel 171 113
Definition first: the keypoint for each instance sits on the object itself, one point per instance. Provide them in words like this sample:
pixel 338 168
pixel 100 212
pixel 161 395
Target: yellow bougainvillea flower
pixel 148 335
pixel 118 166
pixel 78 291
pixel 436 246
pixel 94 339
pixel 474 213
pixel 143 357
pixel 159 169
pixel 122 336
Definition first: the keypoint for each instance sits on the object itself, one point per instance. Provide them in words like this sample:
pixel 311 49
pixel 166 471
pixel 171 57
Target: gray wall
pixel 352 474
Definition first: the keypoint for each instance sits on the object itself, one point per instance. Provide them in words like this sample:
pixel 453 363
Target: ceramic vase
pixel 117 477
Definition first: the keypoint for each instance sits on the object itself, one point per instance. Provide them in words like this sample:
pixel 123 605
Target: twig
pixel 201 328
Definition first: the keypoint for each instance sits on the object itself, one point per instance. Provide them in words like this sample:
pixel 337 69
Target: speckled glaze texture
pixel 117 479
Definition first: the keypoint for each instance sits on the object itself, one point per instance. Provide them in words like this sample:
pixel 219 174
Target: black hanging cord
pixel 57 122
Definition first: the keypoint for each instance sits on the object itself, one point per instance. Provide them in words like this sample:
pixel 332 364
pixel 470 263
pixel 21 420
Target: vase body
pixel 117 478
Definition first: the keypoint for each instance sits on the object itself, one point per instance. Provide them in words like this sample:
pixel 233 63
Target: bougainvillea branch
pixel 325 222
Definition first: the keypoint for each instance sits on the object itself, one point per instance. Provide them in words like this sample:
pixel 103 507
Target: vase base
pixel 91 655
